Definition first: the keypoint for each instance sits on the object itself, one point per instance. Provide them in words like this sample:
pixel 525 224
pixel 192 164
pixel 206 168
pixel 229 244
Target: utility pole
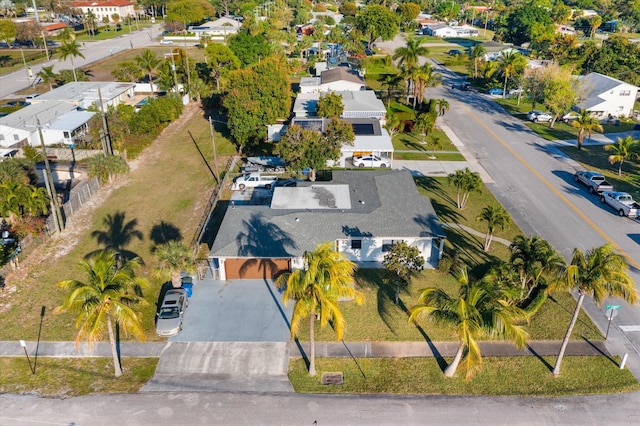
pixel 106 139
pixel 48 183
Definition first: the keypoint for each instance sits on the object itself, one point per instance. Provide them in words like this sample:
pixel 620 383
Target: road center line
pixel 555 191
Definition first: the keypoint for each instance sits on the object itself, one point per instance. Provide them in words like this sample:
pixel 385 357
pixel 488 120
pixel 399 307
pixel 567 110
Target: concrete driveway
pixel 235 311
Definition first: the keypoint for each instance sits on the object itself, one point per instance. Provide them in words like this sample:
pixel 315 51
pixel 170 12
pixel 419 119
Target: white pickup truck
pixel 594 181
pixel 254 180
pixel 622 202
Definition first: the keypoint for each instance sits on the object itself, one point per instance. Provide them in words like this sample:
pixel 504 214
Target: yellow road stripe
pixel 558 193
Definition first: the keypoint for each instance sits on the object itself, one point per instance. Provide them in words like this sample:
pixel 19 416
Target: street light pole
pixel 35 361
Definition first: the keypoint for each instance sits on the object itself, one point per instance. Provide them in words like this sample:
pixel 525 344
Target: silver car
pixel 536 116
pixel 169 318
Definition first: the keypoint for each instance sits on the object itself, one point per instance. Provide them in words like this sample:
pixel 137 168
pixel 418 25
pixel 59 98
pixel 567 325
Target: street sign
pixel 612 312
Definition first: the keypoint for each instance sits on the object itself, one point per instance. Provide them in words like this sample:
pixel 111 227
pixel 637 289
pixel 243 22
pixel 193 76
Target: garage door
pixel 247 269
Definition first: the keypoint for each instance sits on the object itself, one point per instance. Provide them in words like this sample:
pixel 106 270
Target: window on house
pixel 356 244
pixel 625 93
pixel 1 137
pixel 387 244
pixel 66 135
pixel 16 137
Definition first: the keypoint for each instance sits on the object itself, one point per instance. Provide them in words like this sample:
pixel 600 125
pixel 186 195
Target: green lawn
pixel 413 142
pixel 161 193
pixel 521 376
pixel 67 377
pixel 105 33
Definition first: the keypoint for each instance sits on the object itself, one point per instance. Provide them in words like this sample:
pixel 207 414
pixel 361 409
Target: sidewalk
pixel 323 349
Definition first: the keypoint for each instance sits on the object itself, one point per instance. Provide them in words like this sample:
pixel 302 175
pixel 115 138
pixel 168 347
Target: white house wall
pixel 10 136
pixel 371 250
pixel 615 103
pixel 339 86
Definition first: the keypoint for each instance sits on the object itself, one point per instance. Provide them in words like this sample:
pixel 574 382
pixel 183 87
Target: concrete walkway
pixel 477 233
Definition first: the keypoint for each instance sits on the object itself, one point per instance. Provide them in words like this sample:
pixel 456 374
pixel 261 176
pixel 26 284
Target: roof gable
pixel 340 74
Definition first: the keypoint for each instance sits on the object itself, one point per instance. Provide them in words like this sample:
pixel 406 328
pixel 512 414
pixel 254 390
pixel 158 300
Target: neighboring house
pixel 357 104
pixel 443 30
pixel 606 96
pixel 496 50
pixel 61 112
pixel 106 8
pixel 362 212
pixel 370 138
pixel 565 30
pixel 53 28
pixel 333 80
pixel 218 29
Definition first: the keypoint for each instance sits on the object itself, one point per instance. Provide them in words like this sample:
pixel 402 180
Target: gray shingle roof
pixel 340 73
pixel 384 204
pixel 596 84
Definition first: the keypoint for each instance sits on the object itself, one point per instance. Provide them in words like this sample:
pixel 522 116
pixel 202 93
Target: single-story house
pixel 61 113
pixel 565 30
pixel 333 80
pixel 370 138
pixel 362 212
pixel 357 104
pixel 218 29
pixel 607 96
pixel 443 30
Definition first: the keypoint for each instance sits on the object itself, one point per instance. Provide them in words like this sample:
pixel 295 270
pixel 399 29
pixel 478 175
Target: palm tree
pixel 442 105
pixel 495 216
pixel 481 309
pixel 585 123
pixel 148 61
pixel 625 149
pixel 408 57
pixel 511 65
pixel 465 182
pixel 600 273
pixel 37 200
pixel 476 53
pixel 109 294
pixel 70 49
pixel 393 124
pixel 316 289
pixel 594 24
pixel 392 81
pixel 534 260
pixel 48 76
pixel 174 257
pixel 425 122
pixel 434 143
pixel 424 77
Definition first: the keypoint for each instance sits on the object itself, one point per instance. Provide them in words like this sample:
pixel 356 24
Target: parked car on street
pixel 371 161
pixel 536 116
pixel 622 202
pixel 496 91
pixel 570 116
pixel 454 52
pixel 166 42
pixel 594 181
pixel 169 317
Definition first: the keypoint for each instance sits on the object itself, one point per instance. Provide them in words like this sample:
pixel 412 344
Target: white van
pixel 254 180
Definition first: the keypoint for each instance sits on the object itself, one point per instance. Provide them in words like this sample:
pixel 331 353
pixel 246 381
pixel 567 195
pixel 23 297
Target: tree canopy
pixel 250 49
pixel 377 21
pixel 528 23
pixel 330 105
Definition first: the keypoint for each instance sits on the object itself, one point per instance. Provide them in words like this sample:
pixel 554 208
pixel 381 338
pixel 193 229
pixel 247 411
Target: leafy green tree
pixel 148 62
pixel 480 309
pixel 528 23
pixel 174 258
pixel 220 60
pixel 617 57
pixel 599 273
pixel 403 261
pixel 560 91
pixel 377 21
pixel 251 104
pixel 495 217
pixel 326 278
pixel 189 11
pixel 407 13
pixel 585 123
pixel 465 182
pixel 535 261
pixel 249 49
pixel 447 10
pixel 127 71
pixel 47 75
pixel 330 105
pixel 626 148
pixel 70 49
pixel 109 294
pixel 8 30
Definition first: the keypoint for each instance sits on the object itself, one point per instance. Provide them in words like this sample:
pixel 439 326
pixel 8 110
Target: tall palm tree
pixel 476 53
pixel 534 260
pixel 109 294
pixel 423 77
pixel 174 257
pixel 465 182
pixel 442 106
pixel 495 216
pixel 392 82
pixel 316 290
pixel 48 76
pixel 70 49
pixel 623 150
pixel 511 65
pixel 481 309
pixel 599 273
pixel 585 123
pixel 148 61
pixel 425 122
pixel 408 58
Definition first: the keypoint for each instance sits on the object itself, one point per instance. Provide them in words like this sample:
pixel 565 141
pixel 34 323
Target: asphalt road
pixel 93 51
pixel 534 181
